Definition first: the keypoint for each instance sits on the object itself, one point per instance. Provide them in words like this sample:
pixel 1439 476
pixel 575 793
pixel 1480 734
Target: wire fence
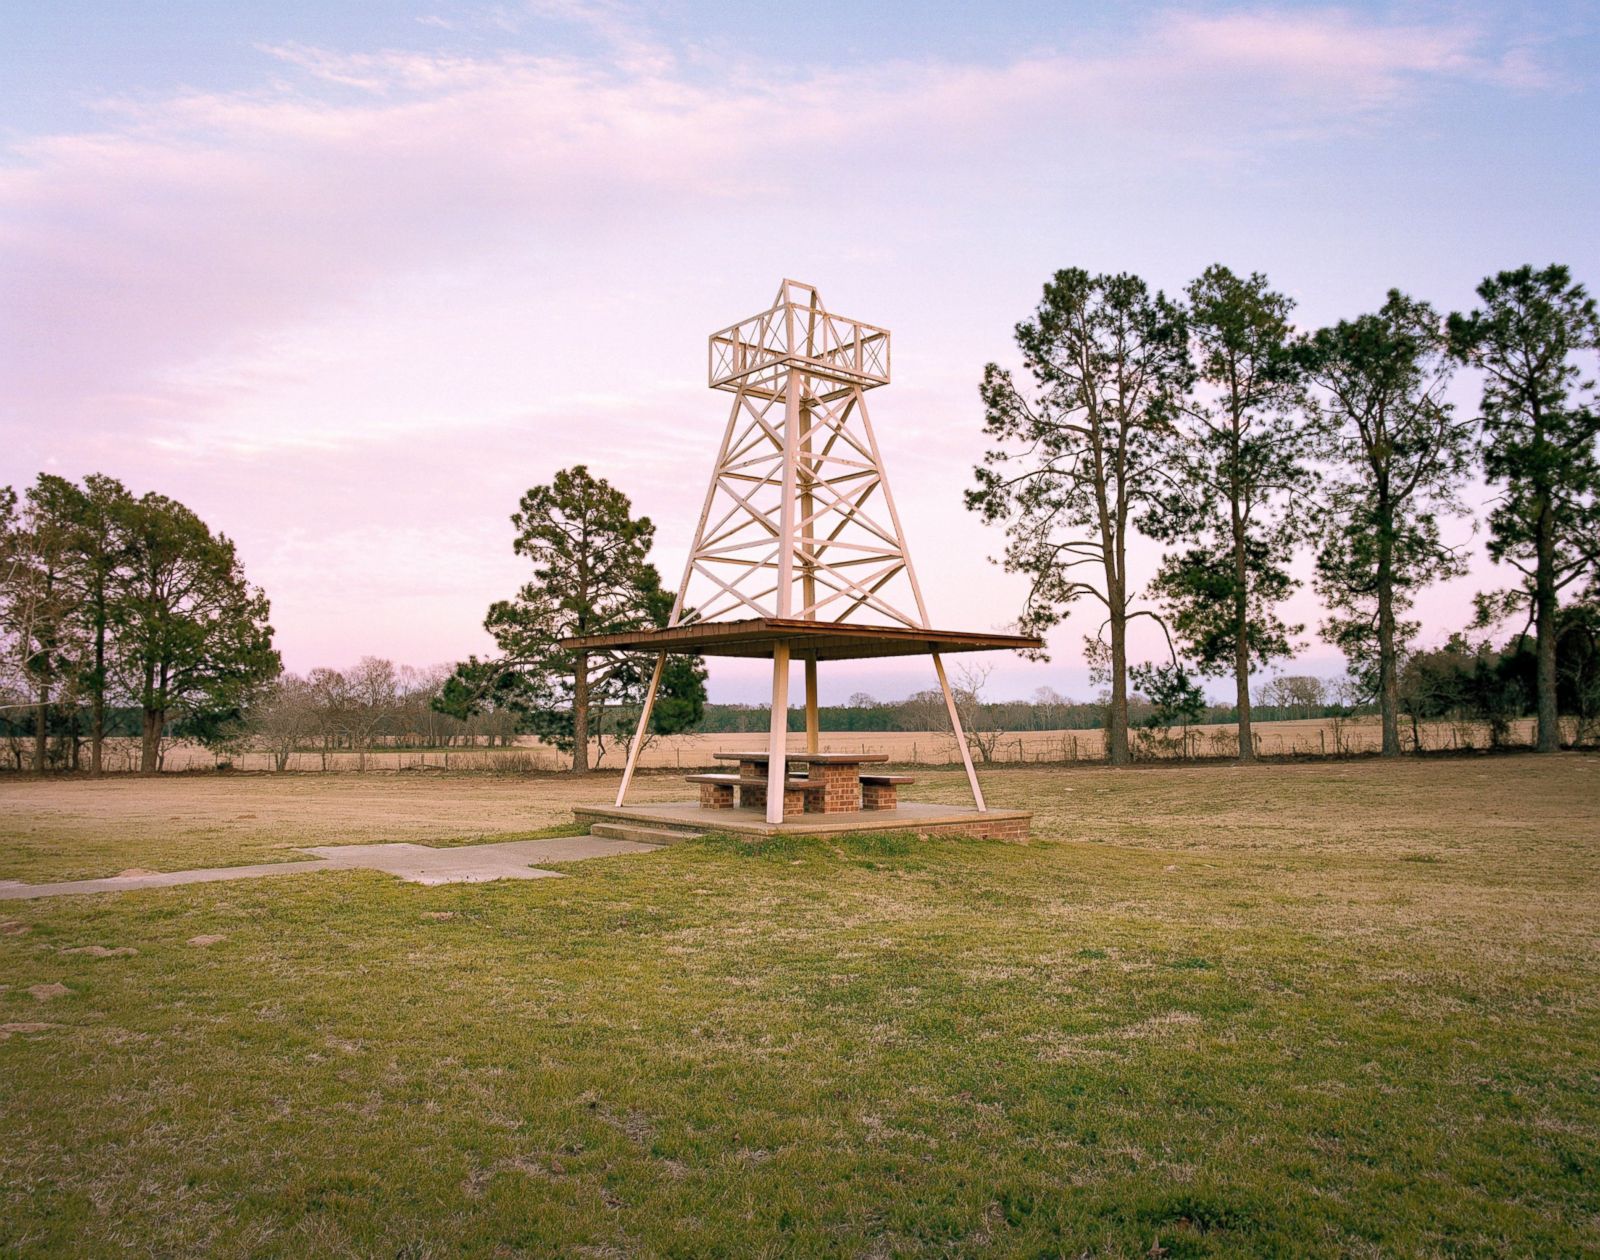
pixel 1307 738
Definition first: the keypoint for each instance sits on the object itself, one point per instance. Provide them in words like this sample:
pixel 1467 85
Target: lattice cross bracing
pixel 799 520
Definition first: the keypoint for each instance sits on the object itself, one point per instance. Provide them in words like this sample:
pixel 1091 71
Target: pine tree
pixel 591 575
pixel 1541 424
pixel 1397 455
pixel 1237 470
pixel 1078 456
pixel 192 637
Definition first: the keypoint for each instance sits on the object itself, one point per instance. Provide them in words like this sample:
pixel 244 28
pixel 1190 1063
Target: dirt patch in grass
pixel 26 1026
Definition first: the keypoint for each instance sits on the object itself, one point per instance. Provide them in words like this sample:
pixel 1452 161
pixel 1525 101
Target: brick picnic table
pixel 834 785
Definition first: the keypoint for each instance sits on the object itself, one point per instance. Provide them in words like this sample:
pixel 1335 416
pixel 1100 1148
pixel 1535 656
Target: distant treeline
pixel 376 705
pixel 1013 715
pixel 122 722
pixel 418 726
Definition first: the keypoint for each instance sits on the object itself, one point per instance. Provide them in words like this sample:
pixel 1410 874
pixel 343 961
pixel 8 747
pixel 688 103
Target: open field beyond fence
pixel 1312 737
pixel 1309 1009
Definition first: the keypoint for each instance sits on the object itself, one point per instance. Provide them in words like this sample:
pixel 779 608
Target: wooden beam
pixel 831 640
pixel 644 724
pixel 813 721
pixel 961 735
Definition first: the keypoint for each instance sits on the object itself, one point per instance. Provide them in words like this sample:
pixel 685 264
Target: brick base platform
pixel 1013 829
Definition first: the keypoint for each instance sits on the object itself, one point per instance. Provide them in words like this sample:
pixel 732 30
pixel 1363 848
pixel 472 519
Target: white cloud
pixel 190 226
pixel 400 277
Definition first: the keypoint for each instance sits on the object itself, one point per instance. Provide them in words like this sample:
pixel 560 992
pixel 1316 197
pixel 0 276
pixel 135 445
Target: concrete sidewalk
pixel 415 863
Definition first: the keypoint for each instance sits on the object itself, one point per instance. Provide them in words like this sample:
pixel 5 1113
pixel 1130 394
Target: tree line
pixel 372 704
pixel 107 600
pixel 113 605
pixel 1208 423
pixel 1044 711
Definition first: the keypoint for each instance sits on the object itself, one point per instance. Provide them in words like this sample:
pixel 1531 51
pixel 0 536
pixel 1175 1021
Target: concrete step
pixel 641 835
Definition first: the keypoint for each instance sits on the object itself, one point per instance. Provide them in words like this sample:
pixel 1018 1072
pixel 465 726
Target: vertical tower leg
pixel 813 720
pixel 644 725
pixel 961 735
pixel 777 768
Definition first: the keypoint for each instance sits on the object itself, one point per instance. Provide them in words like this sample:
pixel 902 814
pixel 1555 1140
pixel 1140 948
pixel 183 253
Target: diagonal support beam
pixel 961 735
pixel 644 724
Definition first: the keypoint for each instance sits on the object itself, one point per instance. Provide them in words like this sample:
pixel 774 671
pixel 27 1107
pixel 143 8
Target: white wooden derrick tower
pixel 798 520
pixel 799 549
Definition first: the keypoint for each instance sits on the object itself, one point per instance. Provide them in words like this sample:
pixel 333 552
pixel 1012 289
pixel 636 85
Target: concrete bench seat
pixel 882 791
pixel 716 791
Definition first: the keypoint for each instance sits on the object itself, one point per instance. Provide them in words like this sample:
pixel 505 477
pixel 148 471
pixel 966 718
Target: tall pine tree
pixel 1229 491
pixel 98 516
pixel 1541 423
pixel 1396 457
pixel 192 637
pixel 1076 457
pixel 39 605
pixel 591 575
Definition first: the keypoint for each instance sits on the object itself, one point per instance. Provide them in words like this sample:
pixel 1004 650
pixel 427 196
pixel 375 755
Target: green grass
pixel 1277 1013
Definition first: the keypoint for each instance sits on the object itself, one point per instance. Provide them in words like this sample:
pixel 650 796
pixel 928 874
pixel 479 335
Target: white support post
pixel 777 765
pixel 961 735
pixel 644 725
pixel 786 521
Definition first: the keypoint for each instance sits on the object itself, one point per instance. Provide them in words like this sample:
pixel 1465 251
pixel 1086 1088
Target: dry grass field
pixel 1328 1009
pixel 1311 737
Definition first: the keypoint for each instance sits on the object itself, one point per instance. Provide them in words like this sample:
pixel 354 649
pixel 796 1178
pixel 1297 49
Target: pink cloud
pixel 189 225
pixel 383 286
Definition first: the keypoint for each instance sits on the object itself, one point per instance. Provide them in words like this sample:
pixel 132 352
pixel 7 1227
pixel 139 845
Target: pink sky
pixel 350 307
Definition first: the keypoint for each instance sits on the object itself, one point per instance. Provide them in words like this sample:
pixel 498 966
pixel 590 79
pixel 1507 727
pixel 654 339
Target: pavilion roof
pixel 825 640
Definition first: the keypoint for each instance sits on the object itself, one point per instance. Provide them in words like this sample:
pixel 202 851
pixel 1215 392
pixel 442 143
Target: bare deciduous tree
pixel 285 720
pixel 372 691
pixel 1297 692
pixel 979 719
pixel 330 703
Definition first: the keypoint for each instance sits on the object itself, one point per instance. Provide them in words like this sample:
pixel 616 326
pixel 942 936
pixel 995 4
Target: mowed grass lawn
pixel 1346 1009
